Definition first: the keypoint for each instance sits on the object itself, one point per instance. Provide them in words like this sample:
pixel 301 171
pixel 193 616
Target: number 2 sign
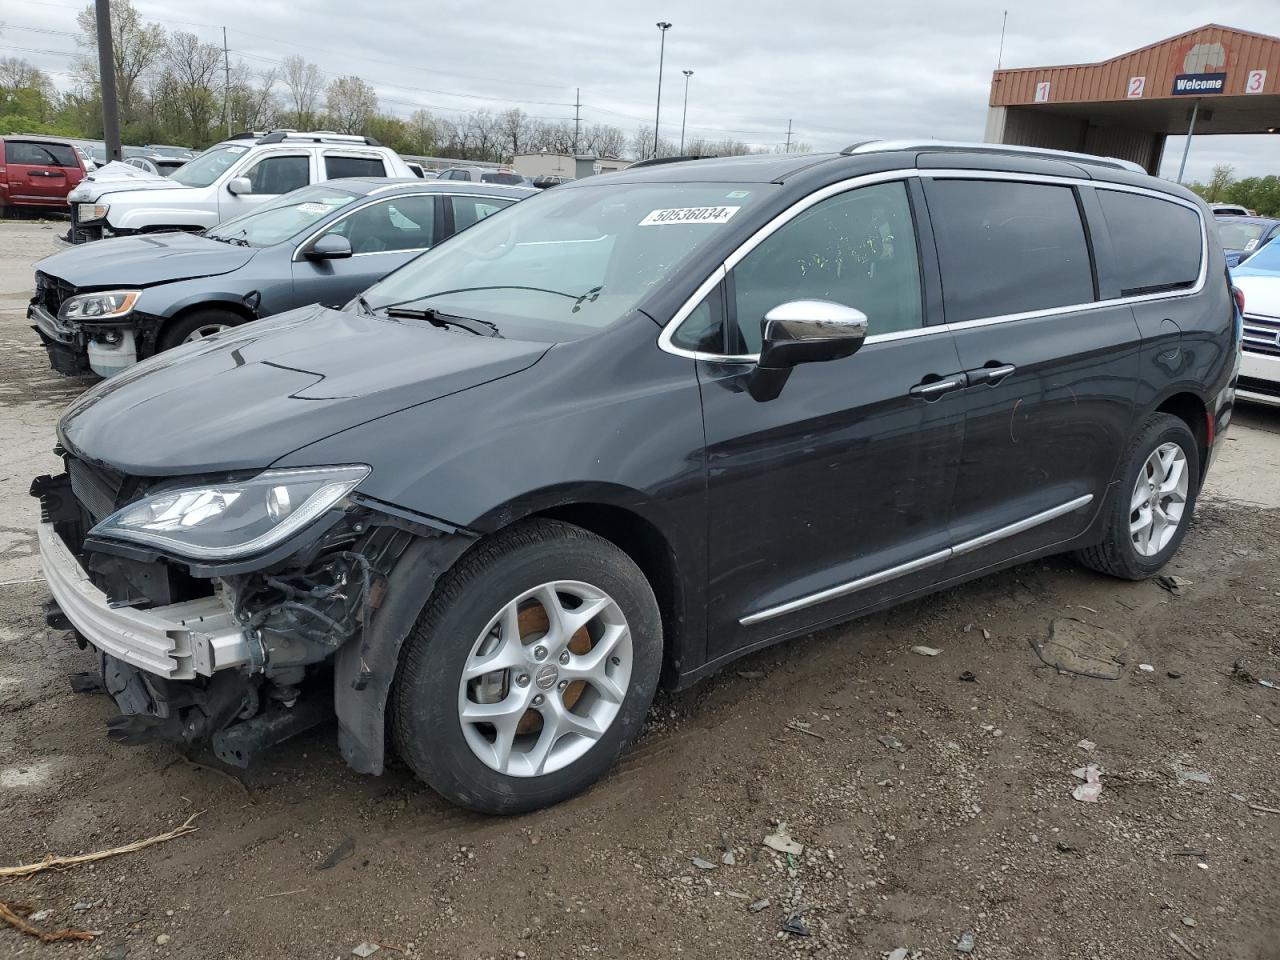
pixel 1042 92
pixel 1137 86
pixel 1255 81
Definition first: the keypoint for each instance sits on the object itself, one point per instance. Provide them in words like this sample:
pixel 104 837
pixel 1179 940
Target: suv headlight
pixel 222 521
pixel 88 212
pixel 107 305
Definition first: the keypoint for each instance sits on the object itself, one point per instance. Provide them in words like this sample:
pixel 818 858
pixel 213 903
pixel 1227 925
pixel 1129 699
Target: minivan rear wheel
pixel 532 666
pixel 1151 508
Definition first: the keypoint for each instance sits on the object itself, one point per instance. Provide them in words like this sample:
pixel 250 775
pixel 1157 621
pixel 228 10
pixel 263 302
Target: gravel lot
pixel 965 823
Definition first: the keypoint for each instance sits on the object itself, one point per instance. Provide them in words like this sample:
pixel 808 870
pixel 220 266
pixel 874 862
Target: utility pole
pixel 663 27
pixel 685 115
pixel 107 81
pixel 788 150
pixel 1000 56
pixel 577 117
pixel 226 84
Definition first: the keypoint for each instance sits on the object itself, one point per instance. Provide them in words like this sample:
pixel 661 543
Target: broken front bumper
pixel 178 642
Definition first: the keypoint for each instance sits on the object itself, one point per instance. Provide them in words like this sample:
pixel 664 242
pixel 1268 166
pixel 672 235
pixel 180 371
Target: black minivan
pixel 628 431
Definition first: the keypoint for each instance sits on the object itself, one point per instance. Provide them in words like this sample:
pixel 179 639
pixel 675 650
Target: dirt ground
pixel 964 824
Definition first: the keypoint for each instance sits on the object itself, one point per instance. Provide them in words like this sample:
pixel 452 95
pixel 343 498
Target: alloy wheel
pixel 1159 499
pixel 205 330
pixel 545 679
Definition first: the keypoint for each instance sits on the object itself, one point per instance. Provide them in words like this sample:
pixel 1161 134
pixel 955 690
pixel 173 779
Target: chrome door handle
pixel 933 389
pixel 991 375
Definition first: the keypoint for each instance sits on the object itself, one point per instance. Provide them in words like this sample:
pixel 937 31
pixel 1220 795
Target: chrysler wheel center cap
pixel 546 676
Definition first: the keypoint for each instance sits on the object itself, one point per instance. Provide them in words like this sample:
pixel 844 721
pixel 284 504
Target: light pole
pixel 663 27
pixel 685 115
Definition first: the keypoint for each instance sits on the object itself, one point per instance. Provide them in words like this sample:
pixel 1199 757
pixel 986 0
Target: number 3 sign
pixel 1255 81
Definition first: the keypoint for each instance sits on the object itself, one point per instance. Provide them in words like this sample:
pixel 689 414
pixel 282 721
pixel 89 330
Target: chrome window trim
pixel 920 563
pixel 668 331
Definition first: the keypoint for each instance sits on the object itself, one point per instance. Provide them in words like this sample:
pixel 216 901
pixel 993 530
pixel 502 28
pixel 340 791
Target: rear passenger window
pixel 336 167
pixel 1155 244
pixel 1006 247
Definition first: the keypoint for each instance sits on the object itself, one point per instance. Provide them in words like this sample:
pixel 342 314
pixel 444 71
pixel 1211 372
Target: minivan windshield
pixel 209 166
pixel 282 218
pixel 571 261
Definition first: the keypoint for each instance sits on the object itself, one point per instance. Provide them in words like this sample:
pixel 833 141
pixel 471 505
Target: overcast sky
pixel 840 72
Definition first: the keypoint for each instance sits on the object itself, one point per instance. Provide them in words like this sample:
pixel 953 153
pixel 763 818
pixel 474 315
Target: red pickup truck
pixel 37 172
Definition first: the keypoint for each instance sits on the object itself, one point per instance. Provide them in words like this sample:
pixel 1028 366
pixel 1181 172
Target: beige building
pixel 563 165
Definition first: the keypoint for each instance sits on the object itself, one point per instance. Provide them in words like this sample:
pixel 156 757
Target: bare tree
pixel 424 131
pixel 17 74
pixel 137 47
pixel 303 86
pixel 252 98
pixel 1223 177
pixel 192 72
pixel 350 103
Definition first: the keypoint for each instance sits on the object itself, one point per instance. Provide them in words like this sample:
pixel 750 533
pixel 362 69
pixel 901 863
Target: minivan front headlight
pixel 106 305
pixel 224 521
pixel 88 212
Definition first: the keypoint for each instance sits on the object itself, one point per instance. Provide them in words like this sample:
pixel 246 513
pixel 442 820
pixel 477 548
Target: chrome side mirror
pixel 239 185
pixel 804 331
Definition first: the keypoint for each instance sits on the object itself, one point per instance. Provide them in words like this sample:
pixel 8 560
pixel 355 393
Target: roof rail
pixel 655 161
pixel 316 136
pixel 880 146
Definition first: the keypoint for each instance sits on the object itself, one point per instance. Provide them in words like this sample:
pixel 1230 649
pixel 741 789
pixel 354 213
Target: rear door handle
pixel 932 389
pixel 990 374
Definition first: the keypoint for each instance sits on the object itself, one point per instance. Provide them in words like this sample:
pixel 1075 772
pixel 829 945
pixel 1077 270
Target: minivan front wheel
pixel 531 668
pixel 1152 507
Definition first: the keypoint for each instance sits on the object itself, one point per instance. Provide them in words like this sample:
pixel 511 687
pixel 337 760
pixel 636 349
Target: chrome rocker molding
pixel 921 563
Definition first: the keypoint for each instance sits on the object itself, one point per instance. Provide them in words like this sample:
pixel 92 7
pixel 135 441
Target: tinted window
pixel 279 174
pixel 470 210
pixel 40 154
pixel 510 179
pixel 857 249
pixel 405 223
pixel 1154 243
pixel 335 167
pixel 1008 247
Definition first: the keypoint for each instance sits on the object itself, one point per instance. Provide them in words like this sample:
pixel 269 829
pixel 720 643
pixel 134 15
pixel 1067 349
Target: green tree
pixel 350 103
pixel 137 48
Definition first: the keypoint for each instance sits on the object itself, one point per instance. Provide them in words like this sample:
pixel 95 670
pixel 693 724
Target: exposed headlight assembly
pixel 223 521
pixel 106 305
pixel 88 212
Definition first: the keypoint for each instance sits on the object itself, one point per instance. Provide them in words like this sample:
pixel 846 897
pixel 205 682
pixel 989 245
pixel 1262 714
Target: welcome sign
pixel 1185 84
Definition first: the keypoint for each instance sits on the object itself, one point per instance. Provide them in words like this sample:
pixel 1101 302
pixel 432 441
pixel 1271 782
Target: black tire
pixel 177 331
pixel 1116 554
pixel 425 721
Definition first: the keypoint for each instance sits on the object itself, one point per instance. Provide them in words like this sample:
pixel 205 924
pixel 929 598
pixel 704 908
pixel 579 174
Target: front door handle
pixel 990 374
pixel 932 389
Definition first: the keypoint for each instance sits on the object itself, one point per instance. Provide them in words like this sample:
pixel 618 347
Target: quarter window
pixel 701 331
pixel 337 167
pixel 276 175
pixel 1006 247
pixel 857 249
pixel 1155 244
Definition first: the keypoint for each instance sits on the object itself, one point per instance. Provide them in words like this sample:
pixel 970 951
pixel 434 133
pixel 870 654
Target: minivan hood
pixel 144 261
pixel 245 398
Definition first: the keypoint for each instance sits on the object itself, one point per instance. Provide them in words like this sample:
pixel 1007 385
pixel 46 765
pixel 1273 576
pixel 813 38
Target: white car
pixel 1260 354
pixel 228 179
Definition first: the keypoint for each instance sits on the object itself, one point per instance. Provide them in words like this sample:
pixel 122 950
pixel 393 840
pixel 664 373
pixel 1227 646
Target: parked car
pixel 1258 280
pixel 1240 236
pixel 1230 210
pixel 86 160
pixel 37 172
pixel 484 175
pixel 170 150
pixel 545 183
pixel 102 307
pixel 228 179
pixel 631 429
pixel 157 164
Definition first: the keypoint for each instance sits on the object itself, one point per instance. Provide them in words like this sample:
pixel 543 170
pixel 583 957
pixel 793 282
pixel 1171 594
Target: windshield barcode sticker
pixel 658 218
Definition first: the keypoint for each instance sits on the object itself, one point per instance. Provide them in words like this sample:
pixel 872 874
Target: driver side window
pixel 857 249
pixel 277 175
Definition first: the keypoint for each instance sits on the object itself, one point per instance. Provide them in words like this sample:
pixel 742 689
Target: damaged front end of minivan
pixel 238 610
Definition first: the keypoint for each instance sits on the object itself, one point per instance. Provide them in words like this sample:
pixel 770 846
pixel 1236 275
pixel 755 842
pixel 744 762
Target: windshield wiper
pixel 236 241
pixel 363 304
pixel 434 317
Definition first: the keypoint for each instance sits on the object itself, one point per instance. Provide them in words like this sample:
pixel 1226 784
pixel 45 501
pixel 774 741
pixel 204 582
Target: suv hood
pixel 245 398
pixel 144 261
pixel 93 188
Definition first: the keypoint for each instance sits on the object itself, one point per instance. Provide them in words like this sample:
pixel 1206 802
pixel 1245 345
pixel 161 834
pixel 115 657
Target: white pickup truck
pixel 228 179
